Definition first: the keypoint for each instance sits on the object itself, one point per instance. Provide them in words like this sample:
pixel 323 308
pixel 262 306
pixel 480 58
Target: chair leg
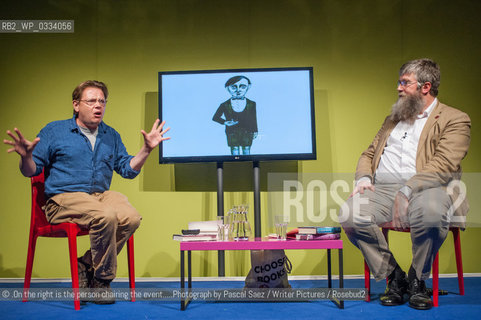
pixel 436 280
pixel 459 259
pixel 367 271
pixel 72 248
pixel 367 282
pixel 32 241
pixel 130 258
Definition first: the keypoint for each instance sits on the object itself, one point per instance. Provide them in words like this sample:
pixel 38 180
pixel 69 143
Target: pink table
pixel 259 244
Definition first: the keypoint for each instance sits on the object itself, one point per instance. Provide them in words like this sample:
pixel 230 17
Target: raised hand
pixel 21 145
pixel 24 148
pixel 155 136
pixel 151 140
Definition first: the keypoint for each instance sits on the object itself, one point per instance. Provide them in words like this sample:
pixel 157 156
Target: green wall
pixel 355 47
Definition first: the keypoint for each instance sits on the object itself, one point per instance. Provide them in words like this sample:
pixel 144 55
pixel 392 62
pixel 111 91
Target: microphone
pixel 404 136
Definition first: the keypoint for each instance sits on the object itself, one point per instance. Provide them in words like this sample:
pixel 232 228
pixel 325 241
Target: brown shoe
pixel 102 291
pixel 85 276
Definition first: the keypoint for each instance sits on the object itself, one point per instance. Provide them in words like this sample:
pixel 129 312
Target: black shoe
pixel 85 276
pixel 419 295
pixel 102 292
pixel 397 286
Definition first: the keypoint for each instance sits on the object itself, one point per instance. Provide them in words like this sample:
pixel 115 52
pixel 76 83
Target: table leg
pixel 221 263
pixel 182 280
pixel 329 274
pixel 189 266
pixel 341 276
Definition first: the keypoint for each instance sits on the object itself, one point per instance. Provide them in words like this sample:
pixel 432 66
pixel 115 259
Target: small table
pixel 259 244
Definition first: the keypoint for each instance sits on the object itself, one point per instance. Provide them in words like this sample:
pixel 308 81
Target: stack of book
pixel 318 233
pixel 198 231
pixel 193 237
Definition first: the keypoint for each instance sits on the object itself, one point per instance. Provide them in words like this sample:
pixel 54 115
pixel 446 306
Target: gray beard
pixel 407 108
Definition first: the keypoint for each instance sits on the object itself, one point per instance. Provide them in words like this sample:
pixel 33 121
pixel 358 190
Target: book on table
pixel 318 230
pixel 194 237
pixel 325 236
pixel 200 231
pixel 205 227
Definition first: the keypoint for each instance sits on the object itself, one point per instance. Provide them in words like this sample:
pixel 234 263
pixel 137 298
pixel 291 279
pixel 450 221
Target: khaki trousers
pixel 108 216
pixel 362 215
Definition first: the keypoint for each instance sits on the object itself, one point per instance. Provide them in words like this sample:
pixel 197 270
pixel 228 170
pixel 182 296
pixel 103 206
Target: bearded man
pixel 402 180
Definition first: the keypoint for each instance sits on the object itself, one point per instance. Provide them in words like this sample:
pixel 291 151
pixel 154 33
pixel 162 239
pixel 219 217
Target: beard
pixel 407 108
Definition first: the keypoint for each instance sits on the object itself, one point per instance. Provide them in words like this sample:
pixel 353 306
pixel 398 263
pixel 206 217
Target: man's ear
pixel 76 105
pixel 426 87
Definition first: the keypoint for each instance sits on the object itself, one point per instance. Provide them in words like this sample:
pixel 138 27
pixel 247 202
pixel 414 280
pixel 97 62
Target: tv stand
pixel 220 207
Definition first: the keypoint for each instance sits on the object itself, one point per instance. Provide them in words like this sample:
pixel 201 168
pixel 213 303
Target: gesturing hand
pixel 155 136
pixel 361 186
pixel 21 145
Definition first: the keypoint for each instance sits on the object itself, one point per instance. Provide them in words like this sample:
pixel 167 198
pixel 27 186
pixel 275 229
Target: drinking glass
pixel 223 228
pixel 280 223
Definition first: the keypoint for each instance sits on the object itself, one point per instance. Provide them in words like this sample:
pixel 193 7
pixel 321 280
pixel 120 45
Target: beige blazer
pixel 443 143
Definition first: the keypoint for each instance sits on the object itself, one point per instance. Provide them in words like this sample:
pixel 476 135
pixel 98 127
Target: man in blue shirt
pixel 78 157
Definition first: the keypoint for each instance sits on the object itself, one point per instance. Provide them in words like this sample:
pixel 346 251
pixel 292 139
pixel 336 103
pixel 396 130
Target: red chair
pixel 435 270
pixel 39 227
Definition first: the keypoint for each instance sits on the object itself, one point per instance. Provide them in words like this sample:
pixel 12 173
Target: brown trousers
pixel 108 216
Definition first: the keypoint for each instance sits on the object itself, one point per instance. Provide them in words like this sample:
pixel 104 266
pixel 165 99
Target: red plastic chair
pixel 435 270
pixel 39 227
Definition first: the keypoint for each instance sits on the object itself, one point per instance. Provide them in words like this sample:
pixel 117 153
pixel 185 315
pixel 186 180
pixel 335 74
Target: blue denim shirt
pixel 70 165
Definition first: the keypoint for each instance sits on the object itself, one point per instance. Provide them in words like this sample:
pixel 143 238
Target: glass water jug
pixel 240 228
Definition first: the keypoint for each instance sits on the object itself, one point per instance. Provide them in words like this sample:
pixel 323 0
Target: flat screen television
pixel 238 115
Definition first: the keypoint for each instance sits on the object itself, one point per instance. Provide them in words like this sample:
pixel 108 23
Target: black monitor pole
pixel 257 200
pixel 220 208
pixel 220 212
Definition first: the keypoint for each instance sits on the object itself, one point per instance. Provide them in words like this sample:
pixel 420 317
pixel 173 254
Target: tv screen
pixel 238 115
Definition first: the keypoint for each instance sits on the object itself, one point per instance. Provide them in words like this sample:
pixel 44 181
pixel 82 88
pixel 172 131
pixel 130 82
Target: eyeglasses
pixel 406 83
pixel 91 102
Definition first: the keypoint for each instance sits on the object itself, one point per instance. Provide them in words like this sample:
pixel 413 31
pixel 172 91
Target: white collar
pixel 428 111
